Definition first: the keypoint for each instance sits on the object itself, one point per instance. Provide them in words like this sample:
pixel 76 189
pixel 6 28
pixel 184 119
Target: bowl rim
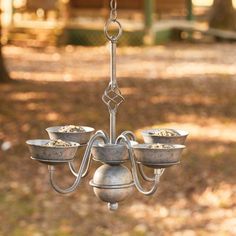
pixel 52 161
pixel 159 165
pixel 32 142
pixel 108 145
pixel 144 146
pixel 183 133
pixel 52 129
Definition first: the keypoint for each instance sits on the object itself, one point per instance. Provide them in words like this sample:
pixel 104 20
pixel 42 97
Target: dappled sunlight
pixel 214 208
pixel 52 116
pixel 27 96
pixel 203 2
pixel 222 196
pixel 189 87
pixel 128 91
pixel 163 62
pixel 186 99
pixel 199 69
pixel 41 76
pixel 208 3
pixel 176 63
pixel 211 130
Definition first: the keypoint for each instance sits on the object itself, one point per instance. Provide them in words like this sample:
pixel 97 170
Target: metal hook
pixel 113 38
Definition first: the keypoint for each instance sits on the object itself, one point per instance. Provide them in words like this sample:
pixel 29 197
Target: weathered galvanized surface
pixel 81 138
pixel 112 184
pixel 110 153
pixel 152 157
pixel 150 137
pixel 41 152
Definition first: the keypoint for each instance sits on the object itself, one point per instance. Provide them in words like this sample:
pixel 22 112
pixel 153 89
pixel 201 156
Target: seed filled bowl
pixel 110 153
pixel 168 136
pixel 78 134
pixel 52 152
pixel 158 155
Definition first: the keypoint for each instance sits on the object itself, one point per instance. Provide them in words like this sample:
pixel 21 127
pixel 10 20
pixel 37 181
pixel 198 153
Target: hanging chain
pixel 112 96
pixel 113 21
pixel 113 13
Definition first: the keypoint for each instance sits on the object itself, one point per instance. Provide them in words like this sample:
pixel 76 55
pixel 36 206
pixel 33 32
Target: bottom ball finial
pixel 113 206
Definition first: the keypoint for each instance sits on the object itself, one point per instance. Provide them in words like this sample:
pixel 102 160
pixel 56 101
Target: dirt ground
pixel 188 86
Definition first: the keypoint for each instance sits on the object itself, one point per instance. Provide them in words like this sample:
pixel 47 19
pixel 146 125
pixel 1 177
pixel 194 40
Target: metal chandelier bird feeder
pixel 112 182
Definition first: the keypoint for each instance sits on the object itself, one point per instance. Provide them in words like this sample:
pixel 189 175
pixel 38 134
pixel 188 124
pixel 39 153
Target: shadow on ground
pixel 196 198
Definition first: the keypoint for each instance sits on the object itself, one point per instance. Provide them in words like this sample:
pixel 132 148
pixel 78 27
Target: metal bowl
pixel 149 136
pixel 50 162
pixel 110 153
pixel 51 155
pixel 158 157
pixel 78 137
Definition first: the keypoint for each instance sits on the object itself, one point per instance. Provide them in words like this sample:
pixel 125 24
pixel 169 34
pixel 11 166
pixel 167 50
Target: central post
pixel 114 86
pixel 112 96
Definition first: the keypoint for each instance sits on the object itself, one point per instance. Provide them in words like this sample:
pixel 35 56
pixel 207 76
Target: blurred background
pixel 176 68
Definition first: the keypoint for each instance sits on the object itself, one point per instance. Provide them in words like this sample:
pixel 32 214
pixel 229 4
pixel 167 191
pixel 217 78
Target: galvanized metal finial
pixel 112 206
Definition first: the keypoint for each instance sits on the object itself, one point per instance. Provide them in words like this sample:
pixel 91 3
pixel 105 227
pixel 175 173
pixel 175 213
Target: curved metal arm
pixel 72 165
pixel 74 171
pixel 144 176
pixel 158 172
pixel 97 135
pixel 130 135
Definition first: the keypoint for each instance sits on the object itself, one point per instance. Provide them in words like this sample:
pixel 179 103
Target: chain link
pixel 113 4
pixel 113 21
pixel 113 13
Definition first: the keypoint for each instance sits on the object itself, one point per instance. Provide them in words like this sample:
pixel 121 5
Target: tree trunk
pixel 4 76
pixel 223 15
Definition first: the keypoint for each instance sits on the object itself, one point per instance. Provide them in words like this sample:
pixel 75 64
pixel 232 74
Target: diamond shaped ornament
pixel 112 97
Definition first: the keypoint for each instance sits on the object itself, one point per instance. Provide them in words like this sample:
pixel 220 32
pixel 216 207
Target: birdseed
pixel 71 129
pixel 165 133
pixel 58 143
pixel 160 146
